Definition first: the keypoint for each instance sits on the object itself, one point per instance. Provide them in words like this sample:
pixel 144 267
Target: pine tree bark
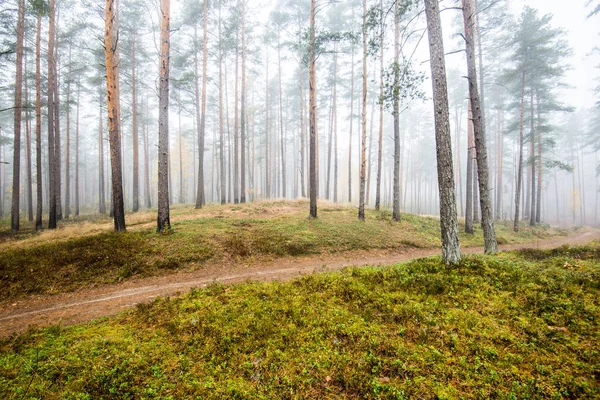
pixel 281 129
pixel 470 170
pixel 363 146
pixel 396 199
pixel 487 218
pixel 448 218
pixel 538 210
pixel 312 99
pixel 18 113
pixel 114 129
pixel 134 129
pixel 350 134
pixel 145 137
pixel 499 157
pixel 520 158
pixel 28 146
pixel 68 143
pixel 221 136
pixel 57 138
pixel 51 114
pixel 163 220
pixel 236 126
pixel 243 111
pixel 302 134
pixel 101 191
pixel 335 129
pixel 38 124
pixel 200 196
pixel 77 151
pixel 532 159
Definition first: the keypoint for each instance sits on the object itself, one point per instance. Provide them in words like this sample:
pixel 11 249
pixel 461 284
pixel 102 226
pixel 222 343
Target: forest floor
pixel 522 324
pixel 83 271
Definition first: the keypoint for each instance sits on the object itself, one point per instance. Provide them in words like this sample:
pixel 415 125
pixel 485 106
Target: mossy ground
pixel 520 325
pixel 84 252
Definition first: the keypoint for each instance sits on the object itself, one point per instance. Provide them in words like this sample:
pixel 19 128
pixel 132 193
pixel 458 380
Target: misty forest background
pixel 255 141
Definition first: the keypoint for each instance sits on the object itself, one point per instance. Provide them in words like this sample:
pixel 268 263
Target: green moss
pixel 494 327
pixel 249 231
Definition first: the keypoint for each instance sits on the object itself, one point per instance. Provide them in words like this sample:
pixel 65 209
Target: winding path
pixel 88 304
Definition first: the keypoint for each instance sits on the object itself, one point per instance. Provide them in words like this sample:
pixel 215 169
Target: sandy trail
pixel 88 304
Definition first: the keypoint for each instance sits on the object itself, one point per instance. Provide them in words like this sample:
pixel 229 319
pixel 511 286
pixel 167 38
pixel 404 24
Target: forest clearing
pixel 299 199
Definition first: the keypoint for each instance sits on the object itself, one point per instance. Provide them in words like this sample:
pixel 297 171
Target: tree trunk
pixel 302 138
pixel 28 145
pixel 532 156
pixel 57 140
pixel 520 160
pixel 163 220
pixel 396 197
pixel 243 110
pixel 51 151
pixel 350 134
pixel 487 218
pixel 77 151
pixel 134 129
pixel 363 158
pixel 499 155
pixel 312 99
pixel 179 139
pixel 282 137
pixel 201 115
pixel 538 210
pixel 236 140
pixel 38 125
pixel 470 170
pixel 221 136
pixel 18 112
pixel 267 160
pixel 146 139
pixel 112 95
pixel 448 218
pixel 335 128
pixel 68 143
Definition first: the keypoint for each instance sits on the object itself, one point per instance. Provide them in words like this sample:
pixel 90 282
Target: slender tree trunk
pixel 221 137
pixel 499 155
pixel 487 218
pixel 532 189
pixel 329 149
pixel 538 210
pixel 57 139
pixel 335 128
pixel 363 158
pixel 302 134
pixel 112 94
pixel 350 134
pixel 51 152
pixel 180 199
pixel 448 218
pixel 267 160
pixel 520 160
pixel 28 145
pixel 163 220
pixel 396 197
pixel 68 144
pixel 77 150
pixel 312 83
pixel 38 125
pixel 18 112
pixel 101 197
pixel 243 110
pixel 200 200
pixel 470 170
pixel 370 152
pixel 146 139
pixel 236 140
pixel 134 128
pixel 281 129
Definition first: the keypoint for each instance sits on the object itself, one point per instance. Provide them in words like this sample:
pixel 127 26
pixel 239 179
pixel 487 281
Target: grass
pixel 84 253
pixel 520 325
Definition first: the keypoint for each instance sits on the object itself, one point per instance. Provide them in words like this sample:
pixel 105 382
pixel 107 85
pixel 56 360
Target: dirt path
pixel 85 305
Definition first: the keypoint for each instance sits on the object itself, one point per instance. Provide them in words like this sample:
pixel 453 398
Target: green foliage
pixel 520 325
pixel 256 233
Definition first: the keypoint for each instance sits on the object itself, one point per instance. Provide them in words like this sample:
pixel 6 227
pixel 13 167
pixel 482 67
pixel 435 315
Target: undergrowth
pixel 85 253
pixel 520 325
